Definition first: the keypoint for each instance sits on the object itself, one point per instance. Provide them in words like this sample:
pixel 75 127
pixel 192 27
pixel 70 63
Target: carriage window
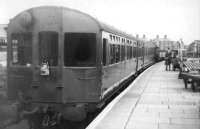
pixel 117 52
pixel 139 52
pixel 48 48
pixel 122 52
pixel 105 41
pixel 112 53
pixel 127 52
pixel 21 48
pixel 131 52
pixel 80 49
pixel 110 37
pixel 134 51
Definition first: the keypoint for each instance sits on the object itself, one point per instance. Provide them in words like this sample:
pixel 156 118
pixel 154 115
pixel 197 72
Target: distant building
pixel 193 49
pixel 3 37
pixel 3 34
pixel 165 44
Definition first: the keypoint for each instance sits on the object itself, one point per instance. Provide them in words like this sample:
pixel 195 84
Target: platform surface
pixel 155 100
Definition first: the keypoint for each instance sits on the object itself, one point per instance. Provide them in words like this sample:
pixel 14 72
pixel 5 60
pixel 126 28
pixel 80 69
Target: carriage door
pixel 48 70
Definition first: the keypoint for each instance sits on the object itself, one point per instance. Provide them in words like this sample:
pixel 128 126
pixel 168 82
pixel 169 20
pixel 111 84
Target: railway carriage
pixel 149 53
pixel 67 61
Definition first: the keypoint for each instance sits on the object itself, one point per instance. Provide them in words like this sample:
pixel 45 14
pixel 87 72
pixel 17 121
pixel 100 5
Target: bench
pixel 190 74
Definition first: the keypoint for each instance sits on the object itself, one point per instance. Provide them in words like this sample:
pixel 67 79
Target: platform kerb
pixel 156 100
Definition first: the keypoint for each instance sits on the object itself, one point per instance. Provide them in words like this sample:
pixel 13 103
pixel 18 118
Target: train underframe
pixel 45 115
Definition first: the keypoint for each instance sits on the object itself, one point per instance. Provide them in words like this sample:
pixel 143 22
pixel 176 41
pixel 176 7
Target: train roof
pixel 102 26
pixel 112 29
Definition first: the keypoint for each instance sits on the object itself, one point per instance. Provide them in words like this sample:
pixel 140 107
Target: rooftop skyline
pixel 175 18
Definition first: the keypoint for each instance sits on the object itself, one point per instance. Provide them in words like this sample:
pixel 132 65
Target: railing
pixel 192 66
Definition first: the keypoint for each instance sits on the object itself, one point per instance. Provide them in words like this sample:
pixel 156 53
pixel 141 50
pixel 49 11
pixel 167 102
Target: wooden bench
pixel 190 74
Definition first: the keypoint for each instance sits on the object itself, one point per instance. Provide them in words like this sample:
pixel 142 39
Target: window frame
pixel 11 49
pixel 94 63
pixel 39 47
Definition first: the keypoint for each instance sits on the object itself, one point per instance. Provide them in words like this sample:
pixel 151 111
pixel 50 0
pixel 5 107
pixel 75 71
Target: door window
pixel 48 48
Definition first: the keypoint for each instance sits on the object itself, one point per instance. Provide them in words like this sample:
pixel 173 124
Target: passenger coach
pixel 69 61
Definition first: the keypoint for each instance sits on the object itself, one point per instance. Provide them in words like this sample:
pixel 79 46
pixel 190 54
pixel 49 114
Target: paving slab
pixel 156 100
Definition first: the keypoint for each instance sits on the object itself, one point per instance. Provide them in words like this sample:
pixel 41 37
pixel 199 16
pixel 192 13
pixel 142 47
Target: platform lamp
pixel 181 49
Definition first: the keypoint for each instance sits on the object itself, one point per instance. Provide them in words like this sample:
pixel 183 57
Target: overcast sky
pixel 175 18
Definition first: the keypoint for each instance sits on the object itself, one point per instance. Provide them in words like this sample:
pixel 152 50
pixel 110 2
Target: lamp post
pixel 180 56
pixel 181 52
pixel 180 49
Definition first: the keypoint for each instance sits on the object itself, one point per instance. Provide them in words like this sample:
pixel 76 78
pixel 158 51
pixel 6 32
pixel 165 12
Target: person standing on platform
pixel 168 61
pixel 175 63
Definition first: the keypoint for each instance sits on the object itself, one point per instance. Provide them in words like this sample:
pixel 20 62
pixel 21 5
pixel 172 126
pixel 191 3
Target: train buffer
pixel 157 99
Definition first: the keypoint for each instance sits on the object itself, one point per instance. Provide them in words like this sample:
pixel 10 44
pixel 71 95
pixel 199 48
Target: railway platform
pixel 157 99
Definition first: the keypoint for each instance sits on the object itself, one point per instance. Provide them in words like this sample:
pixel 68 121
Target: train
pixel 66 62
